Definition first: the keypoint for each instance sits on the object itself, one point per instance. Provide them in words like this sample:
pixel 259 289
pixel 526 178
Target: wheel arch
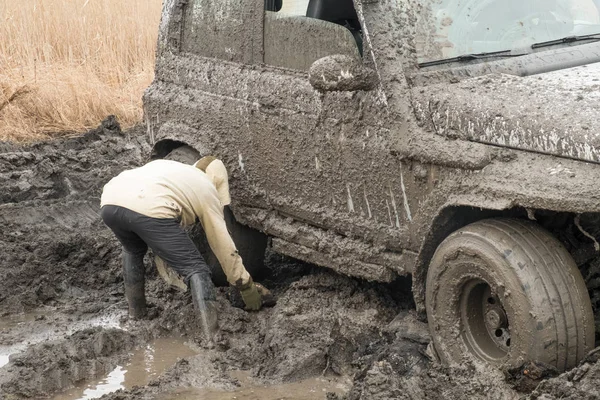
pixel 163 147
pixel 169 136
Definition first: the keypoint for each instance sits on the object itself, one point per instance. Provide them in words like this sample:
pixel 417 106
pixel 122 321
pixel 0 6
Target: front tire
pixel 505 291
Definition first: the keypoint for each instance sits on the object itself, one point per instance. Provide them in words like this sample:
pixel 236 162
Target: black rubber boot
pixel 204 297
pixel 133 276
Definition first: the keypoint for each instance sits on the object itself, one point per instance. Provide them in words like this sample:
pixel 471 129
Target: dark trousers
pixel 165 237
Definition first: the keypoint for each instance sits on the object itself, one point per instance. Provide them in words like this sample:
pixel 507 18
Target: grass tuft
pixel 67 64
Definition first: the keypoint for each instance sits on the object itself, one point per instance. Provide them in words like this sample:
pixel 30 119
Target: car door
pixel 323 158
pixel 234 83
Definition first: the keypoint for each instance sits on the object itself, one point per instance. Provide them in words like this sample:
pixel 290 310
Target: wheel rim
pixel 484 323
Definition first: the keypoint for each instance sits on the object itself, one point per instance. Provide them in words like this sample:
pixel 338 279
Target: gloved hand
pixel 251 296
pixel 268 300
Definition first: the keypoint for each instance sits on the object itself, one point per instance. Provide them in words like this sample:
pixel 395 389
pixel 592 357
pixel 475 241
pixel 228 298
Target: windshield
pixel 451 28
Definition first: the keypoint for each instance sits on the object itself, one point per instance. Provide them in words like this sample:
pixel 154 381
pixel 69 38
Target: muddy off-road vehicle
pixel 453 140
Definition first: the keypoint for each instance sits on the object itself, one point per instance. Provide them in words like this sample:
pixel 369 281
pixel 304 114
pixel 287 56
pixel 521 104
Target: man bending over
pixel 147 207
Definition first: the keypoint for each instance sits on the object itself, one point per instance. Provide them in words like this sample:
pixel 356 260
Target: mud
pixel 248 389
pixel 341 73
pixel 144 364
pixel 47 367
pixel 64 327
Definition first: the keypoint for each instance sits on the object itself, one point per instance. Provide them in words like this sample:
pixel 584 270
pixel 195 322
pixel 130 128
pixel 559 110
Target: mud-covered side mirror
pixel 341 73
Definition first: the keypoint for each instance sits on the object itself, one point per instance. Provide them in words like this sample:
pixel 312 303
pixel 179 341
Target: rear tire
pixel 505 291
pixel 184 154
pixel 251 244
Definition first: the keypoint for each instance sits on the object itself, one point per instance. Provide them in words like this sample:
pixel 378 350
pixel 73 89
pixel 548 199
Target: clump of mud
pixel 581 383
pixel 57 259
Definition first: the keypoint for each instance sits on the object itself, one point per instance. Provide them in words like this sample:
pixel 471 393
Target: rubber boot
pixel 133 276
pixel 203 295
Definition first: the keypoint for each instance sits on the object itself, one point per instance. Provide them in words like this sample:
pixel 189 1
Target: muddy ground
pixel 60 279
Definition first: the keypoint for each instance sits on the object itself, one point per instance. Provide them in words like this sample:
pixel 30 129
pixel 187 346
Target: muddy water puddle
pixel 149 362
pixel 45 324
pixel 4 355
pixel 309 389
pixel 14 321
pixel 144 365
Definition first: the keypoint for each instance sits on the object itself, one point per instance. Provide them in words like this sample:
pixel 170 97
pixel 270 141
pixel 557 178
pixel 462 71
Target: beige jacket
pixel 169 189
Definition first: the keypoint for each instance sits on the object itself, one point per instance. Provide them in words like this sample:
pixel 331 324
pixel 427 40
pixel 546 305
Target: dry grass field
pixel 67 64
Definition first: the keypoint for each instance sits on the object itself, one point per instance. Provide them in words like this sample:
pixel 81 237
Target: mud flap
pixel 171 277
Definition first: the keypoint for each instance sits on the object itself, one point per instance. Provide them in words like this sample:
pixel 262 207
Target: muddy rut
pixel 63 314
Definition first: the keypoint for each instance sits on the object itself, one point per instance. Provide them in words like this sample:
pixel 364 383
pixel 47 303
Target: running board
pixel 326 248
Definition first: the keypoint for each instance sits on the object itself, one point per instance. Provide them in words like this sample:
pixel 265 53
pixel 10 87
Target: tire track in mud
pixel 52 238
pixel 69 214
pixel 46 368
pixel 56 253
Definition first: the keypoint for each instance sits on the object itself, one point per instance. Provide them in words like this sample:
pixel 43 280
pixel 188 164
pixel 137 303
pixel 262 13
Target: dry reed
pixel 67 64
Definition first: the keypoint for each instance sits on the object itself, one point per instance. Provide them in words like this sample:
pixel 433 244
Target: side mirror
pixel 341 73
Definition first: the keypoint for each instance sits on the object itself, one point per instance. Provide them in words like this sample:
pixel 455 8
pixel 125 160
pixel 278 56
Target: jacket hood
pixel 553 113
pixel 217 173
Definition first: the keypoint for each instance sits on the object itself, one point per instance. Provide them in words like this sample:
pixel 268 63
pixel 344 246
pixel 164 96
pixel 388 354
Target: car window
pixel 294 40
pixel 221 29
pixel 451 28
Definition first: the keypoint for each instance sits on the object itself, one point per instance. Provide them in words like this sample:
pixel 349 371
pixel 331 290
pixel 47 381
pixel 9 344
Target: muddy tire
pixel 251 244
pixel 505 291
pixel 184 154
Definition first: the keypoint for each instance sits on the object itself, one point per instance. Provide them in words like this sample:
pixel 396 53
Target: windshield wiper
pixel 470 57
pixel 568 39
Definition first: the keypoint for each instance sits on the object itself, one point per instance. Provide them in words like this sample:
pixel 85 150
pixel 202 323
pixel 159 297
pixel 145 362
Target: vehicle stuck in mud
pixel 455 141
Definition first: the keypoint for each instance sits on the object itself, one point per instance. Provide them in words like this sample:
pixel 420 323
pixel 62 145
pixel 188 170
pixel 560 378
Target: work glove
pixel 251 296
pixel 267 298
pixel 236 299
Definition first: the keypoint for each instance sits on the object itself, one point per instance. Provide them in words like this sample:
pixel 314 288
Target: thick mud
pixel 64 332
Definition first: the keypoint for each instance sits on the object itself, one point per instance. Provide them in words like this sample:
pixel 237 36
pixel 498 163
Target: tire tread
pixel 562 318
pixel 554 284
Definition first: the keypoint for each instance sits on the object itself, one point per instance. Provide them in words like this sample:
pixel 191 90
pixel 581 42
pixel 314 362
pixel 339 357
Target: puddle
pixel 4 359
pixel 145 364
pixel 40 326
pixel 6 351
pixel 113 382
pixel 309 389
pixel 14 320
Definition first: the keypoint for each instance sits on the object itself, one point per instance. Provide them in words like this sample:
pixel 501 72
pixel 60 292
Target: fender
pixel 171 135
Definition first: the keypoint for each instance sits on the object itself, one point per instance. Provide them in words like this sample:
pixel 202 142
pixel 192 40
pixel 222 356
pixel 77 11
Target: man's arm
pixel 221 243
pixel 208 207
